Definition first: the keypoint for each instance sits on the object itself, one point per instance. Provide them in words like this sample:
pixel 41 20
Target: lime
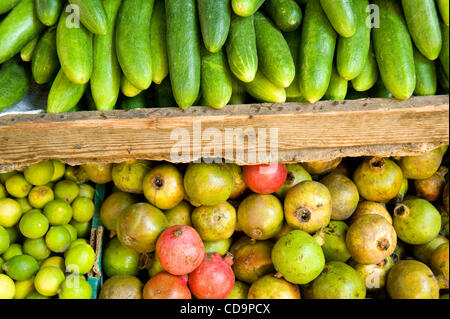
pixel 12 251
pixel 56 261
pixel 120 260
pixel 33 224
pixel 83 229
pixel 66 190
pixel 5 176
pixel 80 259
pixel 58 170
pixel 24 204
pixel 10 212
pixel 3 193
pixel 40 173
pixel 58 212
pixel 72 231
pixel 18 186
pixel 35 295
pixel 75 287
pixel 76 174
pixel 57 239
pixel 13 233
pixel 48 280
pixel 7 287
pixel 39 196
pixel 36 248
pixel 21 267
pixel 83 209
pixel 4 240
pixel 87 191
pixel 24 288
pixel 77 242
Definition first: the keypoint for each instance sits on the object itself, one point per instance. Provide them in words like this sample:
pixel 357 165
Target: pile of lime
pixel 45 220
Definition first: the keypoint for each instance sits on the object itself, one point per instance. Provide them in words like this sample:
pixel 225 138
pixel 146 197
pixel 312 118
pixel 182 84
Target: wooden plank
pixel 303 131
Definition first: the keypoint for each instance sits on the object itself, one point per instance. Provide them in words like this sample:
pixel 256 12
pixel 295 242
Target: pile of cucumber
pixel 137 53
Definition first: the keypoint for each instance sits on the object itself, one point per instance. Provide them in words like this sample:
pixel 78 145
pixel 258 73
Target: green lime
pixel 120 260
pixel 58 212
pixel 33 224
pixel 58 170
pixel 35 295
pixel 21 267
pixel 56 261
pixel 24 204
pixel 83 229
pixel 80 259
pixel 18 186
pixel 87 191
pixel 5 176
pixel 39 196
pixel 57 239
pixel 48 280
pixel 40 173
pixel 7 287
pixel 10 212
pixel 4 240
pixel 75 287
pixel 12 251
pixel 36 248
pixel 3 193
pixel 24 288
pixel 76 242
pixel 83 209
pixel 73 232
pixel 13 233
pixel 66 190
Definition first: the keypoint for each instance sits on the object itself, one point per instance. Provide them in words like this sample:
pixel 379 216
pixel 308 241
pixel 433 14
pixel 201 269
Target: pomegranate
pixel 214 278
pixel 265 178
pixel 166 286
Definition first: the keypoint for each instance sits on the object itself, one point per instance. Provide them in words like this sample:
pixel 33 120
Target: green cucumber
pixel 423 25
pixel 368 76
pixel 444 11
pixel 426 79
pixel 92 15
pixel 27 51
pixel 337 90
pixel 137 102
pixel 293 41
pixel 393 48
pixel 239 95
pixel 275 59
pixel 241 48
pixel 341 15
pixel 443 56
pixel 215 16
pixel 215 79
pixel 105 80
pixel 264 90
pixel 355 95
pixel 14 83
pixel 316 53
pixel 352 52
pixel 45 62
pixel 183 48
pixel 48 11
pixel 246 8
pixel 286 14
pixel 163 96
pixel 64 94
pixel 158 48
pixel 19 27
pixel 133 41
pixel 379 90
pixel 127 88
pixel 6 5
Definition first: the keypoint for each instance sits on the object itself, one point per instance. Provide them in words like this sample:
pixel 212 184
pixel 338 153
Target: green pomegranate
pixel 99 173
pixel 370 208
pixel 374 275
pixel 334 247
pixel 272 287
pixel 344 195
pixel 40 173
pixel 431 188
pixel 423 252
pixel 180 214
pixel 154 266
pixel 307 206
pixel 298 257
pixel 402 192
pixel 284 230
pixel 295 174
pixel 218 246
pixel 321 167
pixel 416 221
pixel 411 279
pixel 119 260
pixel 240 291
pixel 378 179
pixel 239 185
pixel 260 216
pixel 252 259
pixel 439 263
pixel 445 200
pixel 112 206
pixel 129 176
pixel 214 222
pixel 399 252
pixel 421 166
pixel 122 287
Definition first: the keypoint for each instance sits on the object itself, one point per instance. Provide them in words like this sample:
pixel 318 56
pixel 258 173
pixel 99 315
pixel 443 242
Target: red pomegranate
pixel 180 249
pixel 265 178
pixel 214 278
pixel 166 286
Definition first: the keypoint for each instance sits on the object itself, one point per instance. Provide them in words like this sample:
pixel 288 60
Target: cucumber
pixel 64 94
pixel 368 76
pixel 14 83
pixel 48 11
pixel 239 95
pixel 127 88
pixel 355 95
pixel 158 49
pixel 286 14
pixel 75 52
pixel 27 51
pixel 163 96
pixel 6 5
pixel 352 52
pixel 379 90
pixel 316 53
pixel 264 90
pixel 19 27
pixel 215 79
pixel 337 90
pixel 426 79
pixel 293 41
pixel 424 27
pixel 215 16
pixel 105 80
pixel 340 13
pixel 241 48
pixel 444 10
pixel 45 62
pixel 129 103
pixel 183 50
pixel 393 48
pixel 246 8
pixel 92 15
pixel 133 41
pixel 443 56
pixel 275 59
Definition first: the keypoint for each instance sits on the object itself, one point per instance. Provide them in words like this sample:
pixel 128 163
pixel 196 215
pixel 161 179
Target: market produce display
pixel 101 55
